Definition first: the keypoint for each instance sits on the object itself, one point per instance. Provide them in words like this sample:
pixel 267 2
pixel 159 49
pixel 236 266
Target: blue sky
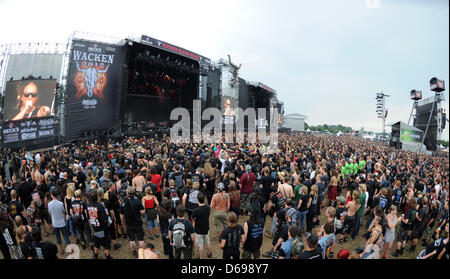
pixel 326 59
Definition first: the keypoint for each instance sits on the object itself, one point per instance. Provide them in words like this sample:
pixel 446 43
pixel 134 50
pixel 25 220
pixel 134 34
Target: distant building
pixel 294 121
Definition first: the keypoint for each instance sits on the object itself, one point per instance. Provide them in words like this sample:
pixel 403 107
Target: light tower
pixel 381 108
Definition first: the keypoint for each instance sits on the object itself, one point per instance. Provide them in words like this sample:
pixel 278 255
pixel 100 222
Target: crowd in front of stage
pixel 309 198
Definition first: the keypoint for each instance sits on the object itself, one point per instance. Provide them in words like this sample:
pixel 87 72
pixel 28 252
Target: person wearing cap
pixel 247 182
pixel 343 254
pixel 221 205
pixel 58 214
pixel 312 250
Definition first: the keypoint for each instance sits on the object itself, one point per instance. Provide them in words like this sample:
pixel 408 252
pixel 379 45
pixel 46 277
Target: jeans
pixel 71 225
pixel 358 220
pixel 302 218
pixel 274 225
pixel 65 233
pixel 151 223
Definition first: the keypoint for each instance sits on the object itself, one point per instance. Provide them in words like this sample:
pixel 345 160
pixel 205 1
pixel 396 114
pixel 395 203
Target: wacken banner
pixel 93 87
pixel 29 129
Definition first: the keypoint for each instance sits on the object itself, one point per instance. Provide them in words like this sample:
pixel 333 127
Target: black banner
pixel 93 87
pixel 29 129
pixel 174 49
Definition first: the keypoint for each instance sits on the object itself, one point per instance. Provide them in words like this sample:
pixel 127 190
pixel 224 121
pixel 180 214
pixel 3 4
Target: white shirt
pixel 438 189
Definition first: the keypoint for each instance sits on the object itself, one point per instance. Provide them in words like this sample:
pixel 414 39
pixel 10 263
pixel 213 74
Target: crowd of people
pixel 312 195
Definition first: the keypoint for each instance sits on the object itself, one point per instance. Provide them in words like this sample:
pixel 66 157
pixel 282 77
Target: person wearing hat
pixel 312 250
pixel 247 182
pixel 221 204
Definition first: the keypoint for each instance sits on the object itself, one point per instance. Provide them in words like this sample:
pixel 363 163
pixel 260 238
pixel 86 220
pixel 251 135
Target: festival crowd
pixel 312 195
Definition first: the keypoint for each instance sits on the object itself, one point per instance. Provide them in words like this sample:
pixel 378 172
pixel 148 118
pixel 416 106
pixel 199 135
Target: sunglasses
pixel 34 95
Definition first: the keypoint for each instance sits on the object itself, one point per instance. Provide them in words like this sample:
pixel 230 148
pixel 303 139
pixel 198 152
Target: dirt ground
pixel 125 253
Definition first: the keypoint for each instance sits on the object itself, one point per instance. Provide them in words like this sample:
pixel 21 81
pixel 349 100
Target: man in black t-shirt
pixel 182 228
pixel 99 222
pixel 200 216
pixel 405 225
pixel 231 238
pixel 78 211
pixel 419 223
pixel 312 250
pixel 131 210
pixel 431 220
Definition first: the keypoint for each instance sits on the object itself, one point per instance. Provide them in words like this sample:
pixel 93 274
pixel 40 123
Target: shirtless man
pixel 349 221
pixel 221 204
pixel 138 182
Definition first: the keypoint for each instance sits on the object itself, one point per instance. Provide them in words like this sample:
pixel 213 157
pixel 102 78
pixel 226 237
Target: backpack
pixel 413 217
pixel 193 197
pixel 397 196
pixel 178 235
pixel 383 202
pixel 37 198
pixel 174 199
pixel 178 181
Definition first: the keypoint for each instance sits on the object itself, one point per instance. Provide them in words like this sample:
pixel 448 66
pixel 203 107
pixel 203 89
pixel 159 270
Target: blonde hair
pixel 18 221
pixel 315 191
pixel 196 185
pixel 304 190
pixel 363 187
pixel 69 191
pixel 78 193
pixel 19 233
pixel 148 191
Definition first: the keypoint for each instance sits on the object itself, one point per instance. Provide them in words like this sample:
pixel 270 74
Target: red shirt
pixel 247 187
pixel 156 179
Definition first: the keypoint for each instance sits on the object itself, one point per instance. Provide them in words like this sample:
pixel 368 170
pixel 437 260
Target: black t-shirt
pixel 164 221
pixel 114 200
pixel 233 238
pixel 15 208
pixel 254 238
pixel 309 255
pixel 423 212
pixel 24 192
pixel 433 215
pixel 408 215
pixel 38 196
pixel 97 216
pixel 79 209
pixel 26 250
pixel 419 186
pixel 266 182
pixel 131 209
pixel 197 178
pixel 437 245
pixel 201 217
pixel 211 183
pixel 304 206
pixel 278 201
pixel 339 212
pixel 46 250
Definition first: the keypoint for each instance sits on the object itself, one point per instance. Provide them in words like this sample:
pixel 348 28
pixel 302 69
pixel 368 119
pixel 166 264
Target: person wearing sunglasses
pixel 28 103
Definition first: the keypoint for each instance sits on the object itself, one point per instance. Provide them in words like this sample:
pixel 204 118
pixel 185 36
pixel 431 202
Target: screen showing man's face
pixel 29 98
pixel 30 95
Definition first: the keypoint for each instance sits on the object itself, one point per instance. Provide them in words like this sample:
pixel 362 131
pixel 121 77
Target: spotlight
pixel 416 95
pixel 437 85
